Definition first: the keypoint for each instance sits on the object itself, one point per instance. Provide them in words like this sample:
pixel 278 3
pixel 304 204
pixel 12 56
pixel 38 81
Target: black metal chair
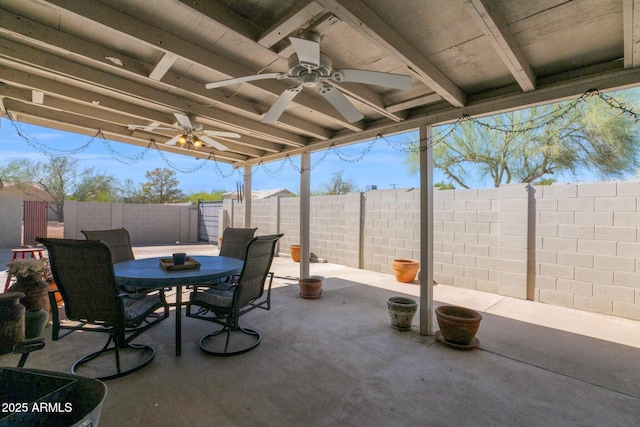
pixel 235 240
pixel 83 271
pixel 225 303
pixel 119 242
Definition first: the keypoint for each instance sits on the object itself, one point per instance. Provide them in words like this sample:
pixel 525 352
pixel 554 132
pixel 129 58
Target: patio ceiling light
pixel 189 141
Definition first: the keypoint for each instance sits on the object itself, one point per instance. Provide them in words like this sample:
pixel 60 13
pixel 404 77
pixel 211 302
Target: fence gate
pixel 35 222
pixel 209 212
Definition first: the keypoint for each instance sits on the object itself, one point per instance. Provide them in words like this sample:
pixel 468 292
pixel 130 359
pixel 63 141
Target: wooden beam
pixel 365 21
pixel 163 41
pixel 135 69
pixel 299 17
pixel 631 21
pixel 59 68
pixel 497 31
pixel 162 66
pixel 40 115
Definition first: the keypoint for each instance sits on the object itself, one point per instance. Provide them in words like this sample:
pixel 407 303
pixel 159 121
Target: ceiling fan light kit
pixel 194 136
pixel 312 69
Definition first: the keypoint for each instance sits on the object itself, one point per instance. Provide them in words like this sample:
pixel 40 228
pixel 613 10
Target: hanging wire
pixel 173 165
pixel 410 146
pixel 49 151
pixel 219 171
pixel 124 159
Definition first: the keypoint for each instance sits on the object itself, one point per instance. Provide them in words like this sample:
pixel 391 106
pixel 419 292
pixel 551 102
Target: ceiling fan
pixel 193 136
pixel 313 68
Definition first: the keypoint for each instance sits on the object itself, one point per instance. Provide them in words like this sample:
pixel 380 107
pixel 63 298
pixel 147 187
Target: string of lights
pixel 408 146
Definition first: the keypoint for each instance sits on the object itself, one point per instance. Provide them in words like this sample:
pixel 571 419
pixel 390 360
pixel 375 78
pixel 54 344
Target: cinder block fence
pixel 573 245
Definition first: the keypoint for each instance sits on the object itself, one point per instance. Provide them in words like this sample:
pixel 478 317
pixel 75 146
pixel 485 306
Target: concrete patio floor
pixel 336 361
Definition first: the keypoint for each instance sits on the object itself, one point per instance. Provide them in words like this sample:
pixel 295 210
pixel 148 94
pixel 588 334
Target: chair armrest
pixel 27 346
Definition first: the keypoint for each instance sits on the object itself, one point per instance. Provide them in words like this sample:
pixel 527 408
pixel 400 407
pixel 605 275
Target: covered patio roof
pixel 102 66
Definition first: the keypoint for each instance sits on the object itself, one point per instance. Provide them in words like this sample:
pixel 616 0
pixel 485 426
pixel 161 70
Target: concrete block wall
pixel 10 222
pixel 335 228
pixel 391 228
pixel 147 224
pixel 481 239
pixel 588 247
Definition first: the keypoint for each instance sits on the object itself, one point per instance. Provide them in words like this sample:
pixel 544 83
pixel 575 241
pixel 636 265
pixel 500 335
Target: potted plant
pixel 458 326
pixel 405 270
pixel 29 273
pixel 310 288
pixel 294 250
pixel 401 311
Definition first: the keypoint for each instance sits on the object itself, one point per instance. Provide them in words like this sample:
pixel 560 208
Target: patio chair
pixel 119 241
pixel 83 271
pixel 235 240
pixel 234 244
pixel 225 303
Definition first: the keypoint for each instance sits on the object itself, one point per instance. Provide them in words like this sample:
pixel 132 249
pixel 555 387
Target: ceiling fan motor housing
pixel 310 76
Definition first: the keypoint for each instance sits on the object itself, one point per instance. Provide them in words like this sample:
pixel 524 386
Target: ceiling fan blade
pixel 222 134
pixel 308 51
pixel 148 128
pixel 173 141
pixel 228 82
pixel 396 81
pixel 281 103
pixel 183 120
pixel 212 142
pixel 341 103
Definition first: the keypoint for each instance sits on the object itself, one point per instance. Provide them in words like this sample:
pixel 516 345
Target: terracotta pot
pixel 36 291
pixel 405 270
pixel 294 250
pixel 310 288
pixel 401 311
pixel 458 325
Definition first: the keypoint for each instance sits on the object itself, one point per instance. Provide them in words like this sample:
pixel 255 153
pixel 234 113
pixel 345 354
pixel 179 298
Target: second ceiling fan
pixel 313 68
pixel 193 135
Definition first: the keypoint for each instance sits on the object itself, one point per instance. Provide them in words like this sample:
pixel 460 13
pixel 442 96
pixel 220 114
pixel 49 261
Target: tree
pixel 338 185
pixel 161 187
pixel 204 195
pixel 58 177
pixel 95 187
pixel 591 135
pixel 129 193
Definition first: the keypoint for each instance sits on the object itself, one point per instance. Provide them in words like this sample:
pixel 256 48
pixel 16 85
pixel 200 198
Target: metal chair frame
pixel 69 258
pixel 229 316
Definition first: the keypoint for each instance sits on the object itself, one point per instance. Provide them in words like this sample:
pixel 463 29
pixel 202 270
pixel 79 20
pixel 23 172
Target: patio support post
pixel 305 213
pixel 426 230
pixel 247 196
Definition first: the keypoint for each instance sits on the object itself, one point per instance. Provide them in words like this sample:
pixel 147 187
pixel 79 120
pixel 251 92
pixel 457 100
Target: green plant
pixel 27 267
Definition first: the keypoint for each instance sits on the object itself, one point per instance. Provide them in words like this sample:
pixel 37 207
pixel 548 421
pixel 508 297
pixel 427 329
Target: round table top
pixel 147 272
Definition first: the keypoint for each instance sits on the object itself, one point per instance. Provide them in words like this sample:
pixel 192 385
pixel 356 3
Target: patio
pixel 336 361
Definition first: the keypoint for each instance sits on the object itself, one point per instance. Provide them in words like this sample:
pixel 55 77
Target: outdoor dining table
pixel 147 274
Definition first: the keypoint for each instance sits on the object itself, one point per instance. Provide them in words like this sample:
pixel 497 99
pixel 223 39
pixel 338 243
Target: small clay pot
pixel 401 311
pixel 458 325
pixel 405 270
pixel 294 250
pixel 310 288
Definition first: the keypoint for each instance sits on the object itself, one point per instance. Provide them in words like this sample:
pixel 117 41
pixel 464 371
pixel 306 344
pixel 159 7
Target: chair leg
pixel 119 372
pixel 236 341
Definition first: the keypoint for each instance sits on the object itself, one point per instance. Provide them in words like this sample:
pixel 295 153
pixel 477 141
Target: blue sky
pixel 383 166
